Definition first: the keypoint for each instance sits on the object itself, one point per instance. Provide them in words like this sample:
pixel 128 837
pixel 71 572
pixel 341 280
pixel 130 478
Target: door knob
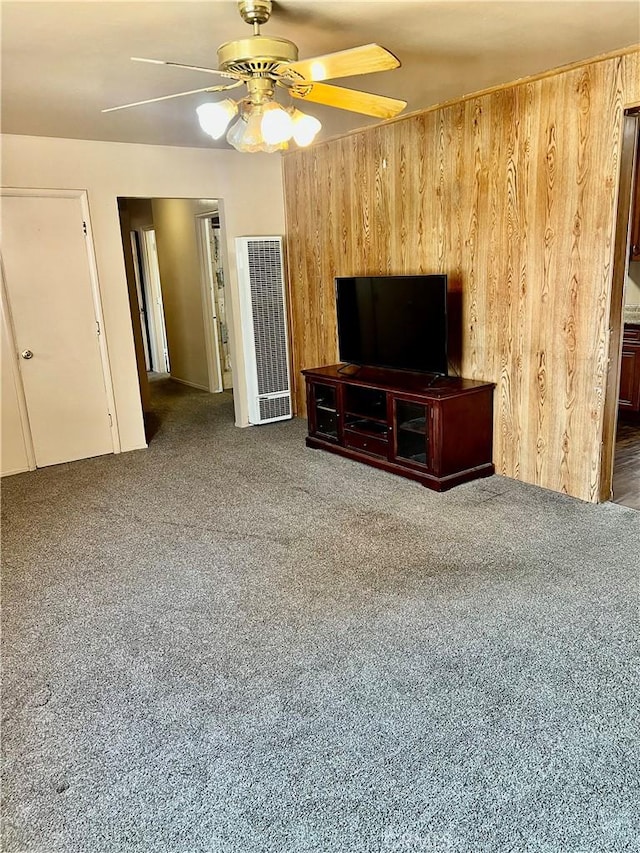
pixel 27 354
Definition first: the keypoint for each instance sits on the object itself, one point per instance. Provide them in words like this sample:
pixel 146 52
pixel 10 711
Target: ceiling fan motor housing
pixel 256 55
pixel 255 11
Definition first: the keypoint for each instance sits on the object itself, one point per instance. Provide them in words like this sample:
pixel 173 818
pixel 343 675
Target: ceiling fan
pixel 264 65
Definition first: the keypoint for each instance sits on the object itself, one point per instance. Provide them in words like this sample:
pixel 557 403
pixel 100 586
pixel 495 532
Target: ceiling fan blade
pixel 188 67
pixel 350 99
pixel 345 63
pixel 165 98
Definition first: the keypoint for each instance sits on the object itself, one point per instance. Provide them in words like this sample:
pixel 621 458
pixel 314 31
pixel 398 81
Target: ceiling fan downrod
pixel 255 12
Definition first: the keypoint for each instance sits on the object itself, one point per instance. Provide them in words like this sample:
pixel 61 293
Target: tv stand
pixel 436 430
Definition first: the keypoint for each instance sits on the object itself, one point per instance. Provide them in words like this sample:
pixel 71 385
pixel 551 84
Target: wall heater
pixel 264 328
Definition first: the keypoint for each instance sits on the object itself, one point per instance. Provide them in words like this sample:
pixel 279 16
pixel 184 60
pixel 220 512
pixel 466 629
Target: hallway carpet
pixel 228 643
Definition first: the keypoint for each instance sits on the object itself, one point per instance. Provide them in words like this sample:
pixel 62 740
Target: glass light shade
pixel 236 133
pixel 215 117
pixel 276 124
pixel 305 128
pixel 246 133
pixel 252 139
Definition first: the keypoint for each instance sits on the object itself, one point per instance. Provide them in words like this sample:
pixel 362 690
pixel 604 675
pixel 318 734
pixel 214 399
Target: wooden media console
pixel 436 430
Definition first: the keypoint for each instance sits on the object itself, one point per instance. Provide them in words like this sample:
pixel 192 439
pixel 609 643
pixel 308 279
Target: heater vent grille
pixel 267 308
pixel 275 408
pixel 264 322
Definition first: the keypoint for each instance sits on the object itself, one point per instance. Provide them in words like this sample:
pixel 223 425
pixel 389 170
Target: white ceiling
pixel 63 62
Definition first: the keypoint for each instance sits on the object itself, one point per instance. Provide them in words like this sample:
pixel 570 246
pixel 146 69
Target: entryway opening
pixel 176 266
pixel 625 322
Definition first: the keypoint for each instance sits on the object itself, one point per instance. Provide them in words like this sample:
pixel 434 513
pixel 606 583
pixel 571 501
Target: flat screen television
pixel 393 321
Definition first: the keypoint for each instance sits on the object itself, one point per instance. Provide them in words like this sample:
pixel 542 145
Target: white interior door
pixel 51 304
pixel 144 322
pixel 160 346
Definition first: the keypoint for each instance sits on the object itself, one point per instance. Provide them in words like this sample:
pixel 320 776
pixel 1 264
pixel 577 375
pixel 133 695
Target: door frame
pixel 97 310
pixel 209 309
pixel 155 303
pixel 621 239
pixel 143 300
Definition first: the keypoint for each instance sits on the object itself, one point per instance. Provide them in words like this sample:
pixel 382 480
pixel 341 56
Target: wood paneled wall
pixel 512 194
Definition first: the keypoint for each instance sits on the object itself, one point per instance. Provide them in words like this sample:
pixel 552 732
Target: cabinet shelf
pixel 368 426
pixel 370 403
pixel 417 425
pixel 365 416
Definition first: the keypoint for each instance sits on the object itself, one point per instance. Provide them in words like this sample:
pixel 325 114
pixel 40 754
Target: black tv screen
pixel 393 321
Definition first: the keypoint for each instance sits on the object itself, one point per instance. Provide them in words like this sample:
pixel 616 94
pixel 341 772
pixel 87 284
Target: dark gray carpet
pixel 229 644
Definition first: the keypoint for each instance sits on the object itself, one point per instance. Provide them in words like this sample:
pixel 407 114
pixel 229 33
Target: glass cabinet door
pixel 325 410
pixel 411 427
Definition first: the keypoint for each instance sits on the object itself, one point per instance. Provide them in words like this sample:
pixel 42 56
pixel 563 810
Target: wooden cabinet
pixel 436 431
pixel 629 395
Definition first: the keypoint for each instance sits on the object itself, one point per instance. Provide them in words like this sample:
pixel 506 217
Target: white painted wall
pixel 248 185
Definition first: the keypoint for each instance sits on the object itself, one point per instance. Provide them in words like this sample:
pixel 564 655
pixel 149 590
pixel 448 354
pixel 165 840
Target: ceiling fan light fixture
pixel 276 124
pixel 245 135
pixel 214 118
pixel 236 132
pixel 263 127
pixel 262 63
pixel 305 128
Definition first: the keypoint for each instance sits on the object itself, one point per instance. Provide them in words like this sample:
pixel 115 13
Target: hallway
pixel 175 405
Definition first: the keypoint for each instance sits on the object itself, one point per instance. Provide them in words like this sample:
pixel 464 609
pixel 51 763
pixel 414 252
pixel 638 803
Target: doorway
pixel 174 252
pixel 626 465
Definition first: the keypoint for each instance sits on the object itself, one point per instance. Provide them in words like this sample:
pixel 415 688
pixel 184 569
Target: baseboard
pixel 190 384
pixel 16 471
